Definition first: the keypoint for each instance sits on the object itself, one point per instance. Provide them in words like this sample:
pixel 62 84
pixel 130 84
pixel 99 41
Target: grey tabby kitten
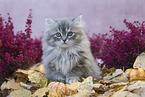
pixel 66 51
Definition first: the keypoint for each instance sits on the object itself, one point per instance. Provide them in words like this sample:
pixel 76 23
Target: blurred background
pixel 99 15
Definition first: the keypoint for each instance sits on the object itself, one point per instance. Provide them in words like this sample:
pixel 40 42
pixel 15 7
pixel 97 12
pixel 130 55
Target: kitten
pixel 66 51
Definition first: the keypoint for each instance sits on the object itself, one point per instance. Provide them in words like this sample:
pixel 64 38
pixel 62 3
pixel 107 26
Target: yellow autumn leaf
pixel 25 85
pixel 121 78
pixel 84 88
pixel 38 67
pixel 97 85
pixel 40 92
pixel 23 71
pixel 140 61
pixel 20 93
pixel 37 77
pixel 54 93
pixel 41 68
pixel 124 93
pixel 11 84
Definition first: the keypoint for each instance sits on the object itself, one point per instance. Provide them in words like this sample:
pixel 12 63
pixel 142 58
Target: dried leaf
pixel 119 84
pixel 120 93
pixel 97 85
pixel 84 88
pixel 20 93
pixel 23 71
pixel 37 77
pixel 106 71
pixel 106 82
pixel 112 89
pixel 38 67
pixel 61 87
pixel 136 79
pixel 137 88
pixel 106 94
pixel 54 93
pixel 11 84
pixel 117 76
pixel 25 85
pixel 20 77
pixel 41 68
pixel 4 85
pixel 140 61
pixel 101 89
pixel 40 92
pixel 121 78
pixel 123 93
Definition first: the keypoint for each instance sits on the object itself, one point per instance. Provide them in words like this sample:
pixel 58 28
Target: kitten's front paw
pixel 60 78
pixel 72 79
pixel 56 77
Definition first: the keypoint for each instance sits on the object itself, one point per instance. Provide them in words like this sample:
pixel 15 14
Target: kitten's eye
pixel 69 33
pixel 58 34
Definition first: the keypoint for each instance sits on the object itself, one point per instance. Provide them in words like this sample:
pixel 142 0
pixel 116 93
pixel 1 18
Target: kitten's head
pixel 64 32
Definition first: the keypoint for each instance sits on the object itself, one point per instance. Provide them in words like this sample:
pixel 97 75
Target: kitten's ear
pixel 78 21
pixel 77 18
pixel 49 21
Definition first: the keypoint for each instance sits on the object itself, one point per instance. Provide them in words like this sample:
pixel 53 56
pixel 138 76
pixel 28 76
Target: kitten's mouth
pixel 64 45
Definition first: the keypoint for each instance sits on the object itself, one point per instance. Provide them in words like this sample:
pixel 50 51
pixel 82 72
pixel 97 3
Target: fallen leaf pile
pixel 115 83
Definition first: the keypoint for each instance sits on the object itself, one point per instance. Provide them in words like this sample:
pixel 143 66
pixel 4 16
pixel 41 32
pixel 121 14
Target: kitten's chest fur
pixel 65 60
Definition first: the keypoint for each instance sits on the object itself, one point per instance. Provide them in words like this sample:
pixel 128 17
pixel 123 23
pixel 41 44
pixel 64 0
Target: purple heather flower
pixel 120 48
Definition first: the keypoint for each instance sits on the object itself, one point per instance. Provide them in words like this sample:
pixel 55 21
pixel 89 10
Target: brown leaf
pixel 106 71
pixel 20 77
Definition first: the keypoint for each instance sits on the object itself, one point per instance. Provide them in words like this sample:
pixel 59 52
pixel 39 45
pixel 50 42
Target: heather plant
pixel 38 44
pixel 120 48
pixel 97 42
pixel 16 50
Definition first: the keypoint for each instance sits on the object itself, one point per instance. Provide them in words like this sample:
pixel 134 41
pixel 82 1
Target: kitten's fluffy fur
pixel 66 51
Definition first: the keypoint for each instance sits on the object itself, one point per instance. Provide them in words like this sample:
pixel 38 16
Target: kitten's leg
pixel 52 74
pixel 93 69
pixel 72 78
pixel 87 68
pixel 75 75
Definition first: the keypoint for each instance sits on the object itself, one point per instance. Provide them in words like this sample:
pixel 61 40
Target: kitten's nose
pixel 64 41
pixel 64 38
